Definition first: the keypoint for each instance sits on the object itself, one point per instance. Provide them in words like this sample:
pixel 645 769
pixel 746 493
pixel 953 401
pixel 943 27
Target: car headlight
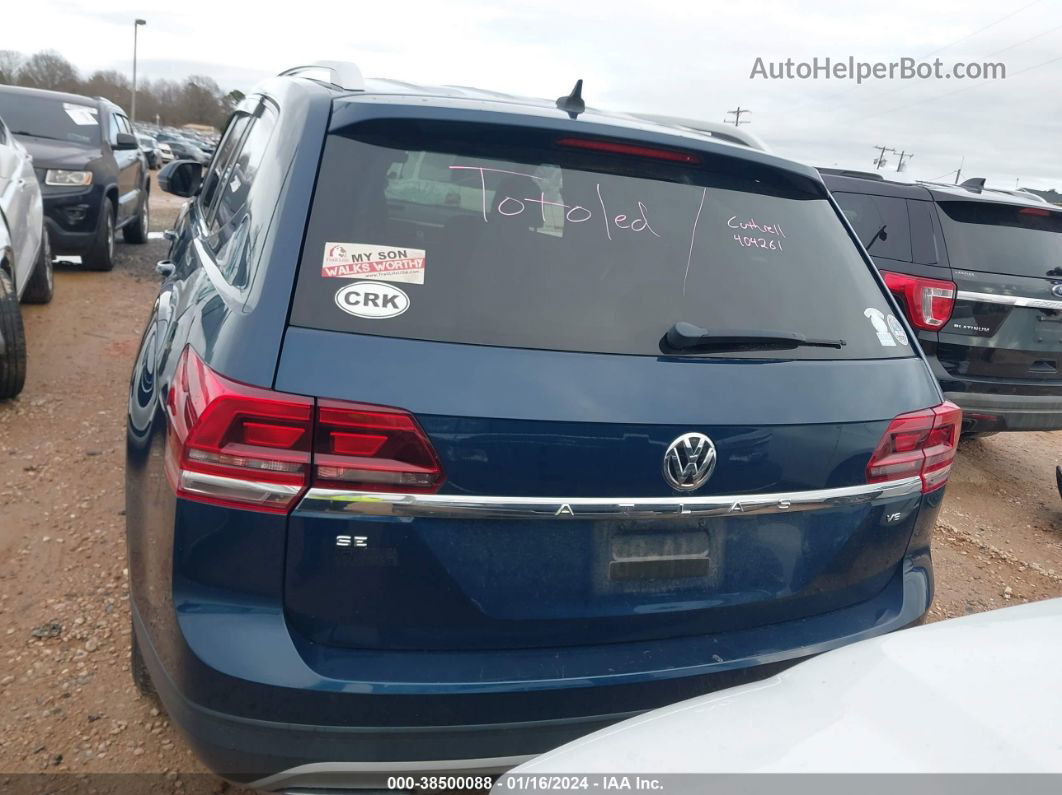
pixel 59 177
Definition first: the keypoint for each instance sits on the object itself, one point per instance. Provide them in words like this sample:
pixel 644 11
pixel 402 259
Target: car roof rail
pixel 849 172
pixel 342 74
pixel 720 131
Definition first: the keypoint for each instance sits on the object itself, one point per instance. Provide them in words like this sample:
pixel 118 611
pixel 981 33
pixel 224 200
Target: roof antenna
pixel 573 103
pixel 976 184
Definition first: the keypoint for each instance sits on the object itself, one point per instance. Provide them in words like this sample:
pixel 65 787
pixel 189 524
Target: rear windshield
pixel 1003 238
pixel 50 118
pixel 435 232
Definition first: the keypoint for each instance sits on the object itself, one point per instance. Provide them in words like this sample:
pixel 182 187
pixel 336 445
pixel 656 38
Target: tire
pixel 41 284
pixel 136 231
pixel 13 357
pixel 138 668
pixel 101 256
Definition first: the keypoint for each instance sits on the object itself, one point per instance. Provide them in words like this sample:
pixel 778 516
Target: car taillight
pixel 372 448
pixel 247 447
pixel 927 302
pixel 921 443
pixel 631 150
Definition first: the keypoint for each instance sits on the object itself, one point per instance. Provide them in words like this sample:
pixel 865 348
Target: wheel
pixel 41 284
pixel 101 256
pixel 12 341
pixel 136 231
pixel 138 668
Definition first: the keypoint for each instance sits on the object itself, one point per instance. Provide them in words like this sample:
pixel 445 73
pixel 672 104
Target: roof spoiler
pixel 341 74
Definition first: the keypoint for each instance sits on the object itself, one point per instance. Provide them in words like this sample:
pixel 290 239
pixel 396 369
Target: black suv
pixel 93 176
pixel 979 274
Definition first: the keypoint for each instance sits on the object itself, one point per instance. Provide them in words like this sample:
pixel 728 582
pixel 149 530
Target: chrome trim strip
pixel 454 506
pixel 236 488
pixel 1008 300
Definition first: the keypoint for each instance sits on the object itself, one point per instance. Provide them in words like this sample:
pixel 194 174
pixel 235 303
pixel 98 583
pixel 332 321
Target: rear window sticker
pixel 373 261
pixel 881 328
pixel 897 330
pixel 80 114
pixel 372 300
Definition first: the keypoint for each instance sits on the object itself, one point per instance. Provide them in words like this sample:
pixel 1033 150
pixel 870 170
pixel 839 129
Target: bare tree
pixel 10 62
pixel 50 70
pixel 109 85
pixel 197 100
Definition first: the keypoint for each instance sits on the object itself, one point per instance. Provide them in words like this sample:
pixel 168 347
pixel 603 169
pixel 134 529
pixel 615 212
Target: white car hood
pixel 981 693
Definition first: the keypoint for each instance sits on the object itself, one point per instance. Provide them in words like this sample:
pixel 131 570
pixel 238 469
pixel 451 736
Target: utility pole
pixel 903 153
pixel 737 115
pixel 132 111
pixel 958 173
pixel 879 161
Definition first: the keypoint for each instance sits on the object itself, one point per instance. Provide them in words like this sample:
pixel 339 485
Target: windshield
pixel 1003 238
pixel 45 117
pixel 575 251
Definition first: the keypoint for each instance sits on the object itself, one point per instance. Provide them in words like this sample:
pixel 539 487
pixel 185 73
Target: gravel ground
pixel 66 700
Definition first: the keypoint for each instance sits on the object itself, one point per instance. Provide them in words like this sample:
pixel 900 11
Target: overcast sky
pixel 669 56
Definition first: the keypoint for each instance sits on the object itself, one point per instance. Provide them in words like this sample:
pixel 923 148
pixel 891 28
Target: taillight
pixel 632 150
pixel 372 448
pixel 927 302
pixel 920 444
pixel 247 447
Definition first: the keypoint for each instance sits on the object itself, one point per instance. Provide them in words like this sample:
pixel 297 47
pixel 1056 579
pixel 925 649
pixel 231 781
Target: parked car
pixel 165 153
pixel 488 422
pixel 149 147
pixel 987 690
pixel 979 274
pixel 25 258
pixel 186 150
pixel 92 173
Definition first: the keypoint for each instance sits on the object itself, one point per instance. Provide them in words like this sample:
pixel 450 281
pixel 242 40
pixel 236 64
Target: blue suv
pixel 465 425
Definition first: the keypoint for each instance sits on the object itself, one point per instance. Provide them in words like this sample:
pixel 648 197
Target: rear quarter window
pixel 882 223
pixel 432 232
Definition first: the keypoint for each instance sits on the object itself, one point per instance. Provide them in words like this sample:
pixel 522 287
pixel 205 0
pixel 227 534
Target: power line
pixel 1004 18
pixel 1023 41
pixel 956 91
pixel 982 30
pixel 902 86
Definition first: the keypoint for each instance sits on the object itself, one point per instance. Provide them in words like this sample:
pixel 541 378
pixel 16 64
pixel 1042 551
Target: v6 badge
pixel 373 300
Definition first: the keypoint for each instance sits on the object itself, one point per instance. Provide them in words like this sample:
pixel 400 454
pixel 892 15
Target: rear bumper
pixel 480 727
pixel 983 412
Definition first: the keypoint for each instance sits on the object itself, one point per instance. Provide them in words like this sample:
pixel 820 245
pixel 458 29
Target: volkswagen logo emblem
pixel 1056 289
pixel 689 461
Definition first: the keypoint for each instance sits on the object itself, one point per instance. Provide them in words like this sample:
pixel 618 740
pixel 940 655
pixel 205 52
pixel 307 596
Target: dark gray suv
pixel 93 175
pixel 979 275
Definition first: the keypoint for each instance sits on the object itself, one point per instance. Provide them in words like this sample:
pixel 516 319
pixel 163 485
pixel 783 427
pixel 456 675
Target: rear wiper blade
pixel 881 234
pixel 687 337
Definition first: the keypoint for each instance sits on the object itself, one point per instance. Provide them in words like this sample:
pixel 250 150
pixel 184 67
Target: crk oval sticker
pixel 373 300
